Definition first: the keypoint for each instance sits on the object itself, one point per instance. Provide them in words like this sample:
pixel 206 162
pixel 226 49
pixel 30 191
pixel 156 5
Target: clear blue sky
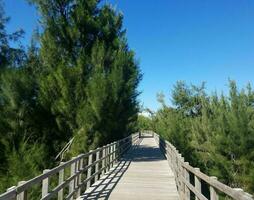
pixel 195 41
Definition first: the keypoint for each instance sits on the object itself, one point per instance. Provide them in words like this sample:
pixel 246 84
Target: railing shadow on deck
pixel 74 175
pixel 147 154
pixel 141 153
pixel 103 188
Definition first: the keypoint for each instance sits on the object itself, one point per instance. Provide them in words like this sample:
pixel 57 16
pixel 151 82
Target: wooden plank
pixel 109 156
pixel 103 159
pixel 175 161
pixel 112 156
pixel 45 184
pixel 187 179
pixel 193 189
pixel 97 165
pixel 22 195
pixel 213 193
pixel 218 185
pixel 40 178
pixel 181 190
pixel 197 184
pixel 72 183
pixel 60 181
pixel 80 168
pixel 89 171
pixel 143 173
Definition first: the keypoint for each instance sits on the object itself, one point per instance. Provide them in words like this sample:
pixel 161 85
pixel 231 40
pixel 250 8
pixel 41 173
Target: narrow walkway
pixel 143 173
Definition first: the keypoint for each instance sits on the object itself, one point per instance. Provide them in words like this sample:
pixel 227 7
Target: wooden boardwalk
pixel 143 173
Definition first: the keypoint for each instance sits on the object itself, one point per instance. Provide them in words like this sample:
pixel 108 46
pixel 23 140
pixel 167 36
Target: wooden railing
pixel 70 179
pixel 191 188
pixel 74 176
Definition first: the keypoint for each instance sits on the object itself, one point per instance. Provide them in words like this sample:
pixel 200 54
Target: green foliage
pixel 213 132
pixel 79 82
pixel 144 123
pixel 24 162
pixel 9 56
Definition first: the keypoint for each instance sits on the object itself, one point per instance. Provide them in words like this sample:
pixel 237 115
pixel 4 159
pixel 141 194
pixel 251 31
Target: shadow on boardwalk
pixel 104 187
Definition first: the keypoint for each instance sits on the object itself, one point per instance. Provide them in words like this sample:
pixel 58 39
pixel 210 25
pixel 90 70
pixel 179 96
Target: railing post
pixel 72 183
pixel 129 144
pixel 103 160
pixel 213 193
pixel 80 167
pixel 168 154
pixel 197 183
pixel 174 161
pixel 187 178
pixel 123 146
pixel 166 150
pixel 22 195
pixel 107 158
pixel 114 154
pixel 89 170
pixel 60 181
pixel 172 157
pixel 117 151
pixel 181 177
pixel 157 139
pixel 178 169
pixel 97 165
pixel 76 177
pixel 45 184
pixel 111 155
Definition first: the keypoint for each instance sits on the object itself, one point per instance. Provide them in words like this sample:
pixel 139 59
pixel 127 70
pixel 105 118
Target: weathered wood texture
pixel 152 169
pixel 182 171
pixel 143 173
pixel 81 174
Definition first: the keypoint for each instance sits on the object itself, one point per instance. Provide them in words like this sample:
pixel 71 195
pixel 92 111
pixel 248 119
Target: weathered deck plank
pixel 143 173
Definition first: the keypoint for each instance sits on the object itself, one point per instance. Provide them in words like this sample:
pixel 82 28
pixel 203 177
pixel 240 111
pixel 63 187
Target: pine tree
pixel 80 82
pixel 217 138
pixel 89 83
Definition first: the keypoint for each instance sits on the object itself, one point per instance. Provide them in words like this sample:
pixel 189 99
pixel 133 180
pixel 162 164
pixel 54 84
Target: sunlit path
pixel 140 166
pixel 143 173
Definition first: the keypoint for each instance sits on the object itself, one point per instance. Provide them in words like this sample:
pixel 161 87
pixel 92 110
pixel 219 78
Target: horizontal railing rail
pixel 182 172
pixel 81 172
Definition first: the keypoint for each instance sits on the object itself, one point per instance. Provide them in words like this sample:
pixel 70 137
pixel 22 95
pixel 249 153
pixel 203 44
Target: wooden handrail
pixel 97 162
pixel 105 157
pixel 182 172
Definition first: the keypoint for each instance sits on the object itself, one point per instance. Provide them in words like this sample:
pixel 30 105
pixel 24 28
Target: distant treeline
pixel 213 132
pixel 78 78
